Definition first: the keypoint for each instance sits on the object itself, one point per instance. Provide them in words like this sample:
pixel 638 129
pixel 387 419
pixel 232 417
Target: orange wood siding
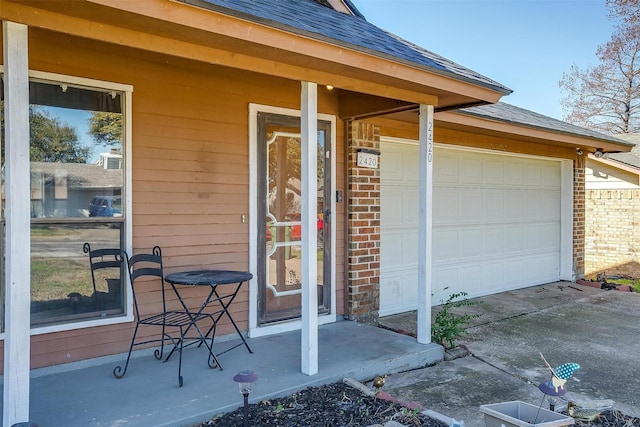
pixel 190 169
pixel 468 139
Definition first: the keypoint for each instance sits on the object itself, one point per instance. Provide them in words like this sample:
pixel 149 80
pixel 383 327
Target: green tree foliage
pixel 106 128
pixel 606 97
pixel 53 141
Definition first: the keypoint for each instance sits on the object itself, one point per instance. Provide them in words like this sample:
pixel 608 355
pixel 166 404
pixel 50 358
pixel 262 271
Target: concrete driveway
pixel 600 330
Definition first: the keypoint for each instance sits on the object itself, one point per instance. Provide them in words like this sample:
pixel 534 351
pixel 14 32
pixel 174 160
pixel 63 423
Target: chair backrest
pixel 105 259
pixel 146 264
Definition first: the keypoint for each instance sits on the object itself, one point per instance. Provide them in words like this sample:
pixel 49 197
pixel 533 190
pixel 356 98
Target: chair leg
pixel 180 345
pixel 158 353
pixel 118 371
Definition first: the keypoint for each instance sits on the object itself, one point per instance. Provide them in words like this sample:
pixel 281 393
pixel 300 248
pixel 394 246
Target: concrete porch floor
pixel 149 395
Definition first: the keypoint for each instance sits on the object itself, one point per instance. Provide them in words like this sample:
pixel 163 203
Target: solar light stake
pixel 245 380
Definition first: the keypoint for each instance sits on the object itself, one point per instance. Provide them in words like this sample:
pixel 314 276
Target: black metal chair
pixel 150 265
pixel 106 262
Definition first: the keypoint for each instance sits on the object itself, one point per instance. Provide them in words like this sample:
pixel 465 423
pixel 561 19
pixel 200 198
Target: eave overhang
pixel 182 30
pixel 458 120
pixel 615 164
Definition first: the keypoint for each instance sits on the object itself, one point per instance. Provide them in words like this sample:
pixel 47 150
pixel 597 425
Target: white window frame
pixel 127 91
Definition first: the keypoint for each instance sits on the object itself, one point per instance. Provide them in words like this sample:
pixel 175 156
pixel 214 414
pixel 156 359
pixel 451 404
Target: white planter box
pixel 520 414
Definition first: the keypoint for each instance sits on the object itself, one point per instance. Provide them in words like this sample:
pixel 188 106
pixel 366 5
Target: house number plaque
pixel 367 158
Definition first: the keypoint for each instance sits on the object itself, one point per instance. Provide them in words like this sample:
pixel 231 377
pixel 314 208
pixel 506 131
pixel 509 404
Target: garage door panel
pixel 469 205
pixel 443 281
pixel 410 292
pixel 494 241
pixel 470 170
pixel 410 249
pixel 493 171
pixel 550 205
pixel 551 175
pixel 446 210
pixel 514 172
pixel 392 217
pixel 392 162
pixel 470 244
pixel 496 225
pixel 391 285
pixel 388 251
pixel 532 174
pixel 445 167
pixel 494 209
pixel 514 239
pixel 410 207
pixel 410 167
pixel 445 245
pixel 514 207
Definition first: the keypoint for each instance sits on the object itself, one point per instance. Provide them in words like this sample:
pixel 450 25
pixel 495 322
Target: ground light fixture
pixel 245 380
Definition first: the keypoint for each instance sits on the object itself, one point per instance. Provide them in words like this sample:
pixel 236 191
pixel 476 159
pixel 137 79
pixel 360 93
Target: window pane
pixel 76 154
pixel 76 198
pixel 62 289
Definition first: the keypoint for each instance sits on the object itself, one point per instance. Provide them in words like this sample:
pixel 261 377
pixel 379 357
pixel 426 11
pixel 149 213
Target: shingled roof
pixel 632 158
pixel 311 19
pixel 507 113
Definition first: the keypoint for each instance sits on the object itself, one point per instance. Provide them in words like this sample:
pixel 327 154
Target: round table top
pixel 208 277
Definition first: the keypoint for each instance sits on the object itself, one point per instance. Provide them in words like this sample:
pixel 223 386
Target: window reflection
pixel 77 176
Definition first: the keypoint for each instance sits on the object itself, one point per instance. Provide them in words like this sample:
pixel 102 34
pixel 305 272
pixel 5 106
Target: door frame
pixel 254 329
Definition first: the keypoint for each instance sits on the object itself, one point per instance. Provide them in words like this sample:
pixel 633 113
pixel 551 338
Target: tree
pixel 53 141
pixel 106 128
pixel 50 140
pixel 606 97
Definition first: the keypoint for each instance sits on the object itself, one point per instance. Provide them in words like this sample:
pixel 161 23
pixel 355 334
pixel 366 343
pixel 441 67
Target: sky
pixel 526 45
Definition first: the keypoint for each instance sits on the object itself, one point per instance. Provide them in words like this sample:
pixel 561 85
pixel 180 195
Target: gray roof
pixel 508 113
pixel 80 175
pixel 312 19
pixel 632 158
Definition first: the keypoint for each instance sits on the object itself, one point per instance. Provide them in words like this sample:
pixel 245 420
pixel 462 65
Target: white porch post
pixel 309 172
pixel 17 349
pixel 425 223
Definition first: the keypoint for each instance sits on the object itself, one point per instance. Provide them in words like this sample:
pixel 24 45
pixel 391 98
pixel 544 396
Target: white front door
pixel 496 223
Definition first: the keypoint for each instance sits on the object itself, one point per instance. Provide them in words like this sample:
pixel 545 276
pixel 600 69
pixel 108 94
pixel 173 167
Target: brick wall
pixel 579 217
pixel 363 226
pixel 613 232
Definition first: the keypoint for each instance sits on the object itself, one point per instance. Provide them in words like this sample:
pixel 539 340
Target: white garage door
pixel 496 224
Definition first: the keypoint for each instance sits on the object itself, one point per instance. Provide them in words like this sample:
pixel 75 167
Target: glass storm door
pixel 279 211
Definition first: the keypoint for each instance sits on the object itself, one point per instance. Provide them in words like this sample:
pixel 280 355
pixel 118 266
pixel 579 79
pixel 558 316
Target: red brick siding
pixel 363 226
pixel 578 217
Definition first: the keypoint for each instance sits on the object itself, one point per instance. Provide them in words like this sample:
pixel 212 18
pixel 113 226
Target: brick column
pixel 363 227
pixel 578 217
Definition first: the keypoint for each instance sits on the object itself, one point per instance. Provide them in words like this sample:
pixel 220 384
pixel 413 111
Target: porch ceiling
pixel 182 30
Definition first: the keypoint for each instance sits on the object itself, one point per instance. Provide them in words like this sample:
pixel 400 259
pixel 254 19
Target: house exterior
pixel 226 110
pixel 612 207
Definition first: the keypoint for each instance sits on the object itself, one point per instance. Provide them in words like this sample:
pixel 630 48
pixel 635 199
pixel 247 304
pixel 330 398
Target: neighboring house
pixel 64 190
pixel 613 212
pixel 217 98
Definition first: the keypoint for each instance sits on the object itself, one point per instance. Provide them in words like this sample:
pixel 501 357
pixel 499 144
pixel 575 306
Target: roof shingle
pixel 310 18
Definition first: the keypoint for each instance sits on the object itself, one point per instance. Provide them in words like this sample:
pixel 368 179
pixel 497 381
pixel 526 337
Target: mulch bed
pixel 331 405
pixel 338 404
pixel 611 419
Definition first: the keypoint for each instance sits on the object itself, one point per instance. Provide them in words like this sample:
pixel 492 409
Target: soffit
pixel 519 131
pixel 220 39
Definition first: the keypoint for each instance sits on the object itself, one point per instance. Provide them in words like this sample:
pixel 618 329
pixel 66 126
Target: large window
pixel 76 147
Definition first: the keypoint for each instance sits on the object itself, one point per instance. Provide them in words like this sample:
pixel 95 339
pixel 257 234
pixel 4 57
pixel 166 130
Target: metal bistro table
pixel 214 279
